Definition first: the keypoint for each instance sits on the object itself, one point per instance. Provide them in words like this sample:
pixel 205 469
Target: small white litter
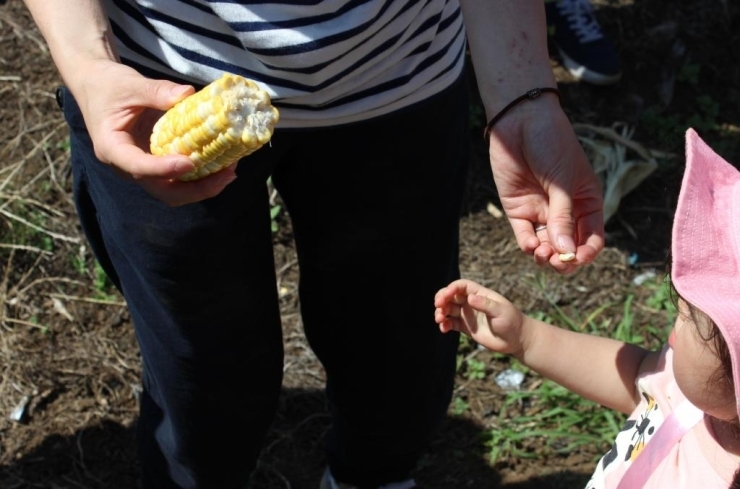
pixel 644 277
pixel 510 379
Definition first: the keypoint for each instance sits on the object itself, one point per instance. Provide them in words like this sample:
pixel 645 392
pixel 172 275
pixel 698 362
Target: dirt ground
pixel 69 362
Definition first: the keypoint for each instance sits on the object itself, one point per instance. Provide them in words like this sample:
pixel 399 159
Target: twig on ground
pixel 61 237
pixel 87 299
pixel 25 248
pixel 25 323
pixel 49 279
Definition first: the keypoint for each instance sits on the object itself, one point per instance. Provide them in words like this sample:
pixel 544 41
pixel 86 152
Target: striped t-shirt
pixel 324 62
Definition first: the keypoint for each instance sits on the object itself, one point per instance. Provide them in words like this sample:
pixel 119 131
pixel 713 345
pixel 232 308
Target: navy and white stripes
pixel 323 62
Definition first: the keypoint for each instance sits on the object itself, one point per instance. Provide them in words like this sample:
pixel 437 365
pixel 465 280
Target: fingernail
pixel 566 244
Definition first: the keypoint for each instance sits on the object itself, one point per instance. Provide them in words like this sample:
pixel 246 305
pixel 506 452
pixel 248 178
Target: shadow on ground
pixel 104 456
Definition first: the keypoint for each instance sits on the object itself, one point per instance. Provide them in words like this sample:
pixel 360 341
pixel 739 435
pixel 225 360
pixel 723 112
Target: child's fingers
pixel 446 326
pixel 456 292
pixel 443 313
pixel 449 295
pixel 441 297
pixel 452 324
pixel 453 311
pixel 484 305
pixel 439 315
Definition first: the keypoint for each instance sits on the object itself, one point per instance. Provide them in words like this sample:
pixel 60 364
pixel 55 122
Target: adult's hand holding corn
pixel 215 127
pixel 120 107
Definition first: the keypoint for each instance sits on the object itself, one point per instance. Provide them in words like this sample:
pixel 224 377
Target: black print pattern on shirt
pixel 643 428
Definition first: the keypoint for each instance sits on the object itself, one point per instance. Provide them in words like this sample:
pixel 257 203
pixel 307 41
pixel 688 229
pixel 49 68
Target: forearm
pixel 508 45
pixel 77 32
pixel 600 369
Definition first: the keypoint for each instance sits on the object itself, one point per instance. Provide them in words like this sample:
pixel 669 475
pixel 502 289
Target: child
pixel 683 430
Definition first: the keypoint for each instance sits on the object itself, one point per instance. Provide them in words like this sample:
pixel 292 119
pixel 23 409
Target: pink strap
pixel 677 424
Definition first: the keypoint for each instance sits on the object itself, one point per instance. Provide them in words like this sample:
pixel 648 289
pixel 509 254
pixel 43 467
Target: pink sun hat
pixel 705 266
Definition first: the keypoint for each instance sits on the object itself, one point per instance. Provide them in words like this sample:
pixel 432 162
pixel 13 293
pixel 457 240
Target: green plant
pixel 64 145
pixel 274 212
pixel 78 264
pixel 35 320
pixel 465 347
pixel 102 283
pixel 459 406
pixel 562 419
pixel 26 227
pixel 560 316
pixel 625 331
pixel 661 298
pixel 476 369
pixel 275 207
pixel 661 301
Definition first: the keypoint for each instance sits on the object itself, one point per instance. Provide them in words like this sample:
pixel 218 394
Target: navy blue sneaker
pixel 586 52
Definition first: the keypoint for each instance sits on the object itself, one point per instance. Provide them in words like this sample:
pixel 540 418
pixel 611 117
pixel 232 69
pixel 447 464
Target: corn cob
pixel 216 126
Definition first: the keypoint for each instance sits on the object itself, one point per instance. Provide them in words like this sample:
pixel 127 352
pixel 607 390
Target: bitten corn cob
pixel 228 119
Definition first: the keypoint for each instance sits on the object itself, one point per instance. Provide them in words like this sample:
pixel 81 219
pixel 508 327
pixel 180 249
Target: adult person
pixel 369 158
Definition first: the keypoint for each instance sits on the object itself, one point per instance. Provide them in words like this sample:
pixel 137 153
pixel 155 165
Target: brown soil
pixel 66 343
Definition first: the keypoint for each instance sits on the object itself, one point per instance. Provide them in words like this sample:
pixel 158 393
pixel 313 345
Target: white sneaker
pixel 328 482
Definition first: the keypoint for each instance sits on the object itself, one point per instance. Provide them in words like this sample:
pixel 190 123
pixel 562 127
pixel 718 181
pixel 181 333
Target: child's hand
pixel 487 317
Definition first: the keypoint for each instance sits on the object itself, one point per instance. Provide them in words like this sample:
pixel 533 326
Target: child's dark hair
pixel 723 377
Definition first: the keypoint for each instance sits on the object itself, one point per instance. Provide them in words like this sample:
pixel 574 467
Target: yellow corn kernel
pixel 216 126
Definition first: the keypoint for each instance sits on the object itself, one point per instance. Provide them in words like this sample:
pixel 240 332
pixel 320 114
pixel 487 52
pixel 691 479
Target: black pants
pixel 374 207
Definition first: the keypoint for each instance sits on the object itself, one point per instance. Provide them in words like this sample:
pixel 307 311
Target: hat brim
pixel 706 242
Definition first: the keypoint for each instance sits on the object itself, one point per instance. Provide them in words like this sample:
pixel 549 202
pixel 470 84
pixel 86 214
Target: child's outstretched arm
pixel 597 368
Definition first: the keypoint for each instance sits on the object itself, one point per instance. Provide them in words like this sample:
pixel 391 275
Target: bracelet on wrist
pixel 530 95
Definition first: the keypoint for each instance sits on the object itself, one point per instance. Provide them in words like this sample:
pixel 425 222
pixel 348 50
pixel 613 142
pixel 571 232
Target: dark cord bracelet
pixel 530 95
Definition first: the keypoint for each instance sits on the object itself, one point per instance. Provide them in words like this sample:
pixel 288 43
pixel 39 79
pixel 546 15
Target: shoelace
pixel 581 19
